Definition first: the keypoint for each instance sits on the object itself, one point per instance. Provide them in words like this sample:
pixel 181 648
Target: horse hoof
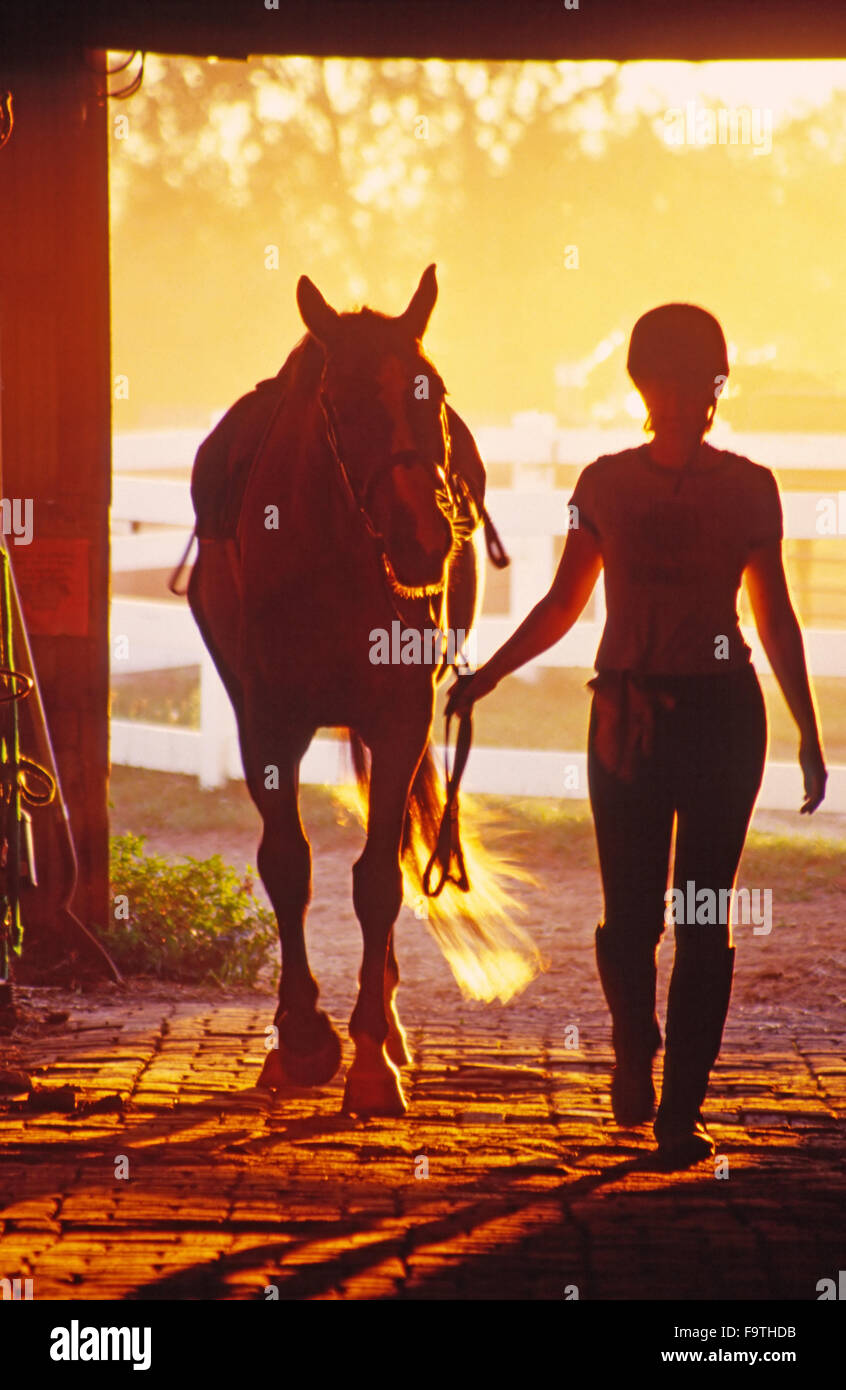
pixel 379 1094
pixel 284 1067
pixel 272 1076
pixel 396 1045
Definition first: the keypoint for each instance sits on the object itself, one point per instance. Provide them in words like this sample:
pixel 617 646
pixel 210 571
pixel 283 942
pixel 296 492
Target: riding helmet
pixel 680 341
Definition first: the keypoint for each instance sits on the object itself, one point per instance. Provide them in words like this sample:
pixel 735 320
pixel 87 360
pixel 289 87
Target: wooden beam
pixel 622 30
pixel 55 423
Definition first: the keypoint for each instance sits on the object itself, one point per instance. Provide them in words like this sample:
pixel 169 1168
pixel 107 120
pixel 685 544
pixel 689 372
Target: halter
pixel 447 498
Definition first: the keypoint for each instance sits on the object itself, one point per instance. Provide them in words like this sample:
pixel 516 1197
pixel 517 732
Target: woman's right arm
pixel 546 624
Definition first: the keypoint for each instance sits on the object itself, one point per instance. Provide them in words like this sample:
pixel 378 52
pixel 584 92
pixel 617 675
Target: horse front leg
pixel 307 1050
pixel 373 1081
pixel 396 1043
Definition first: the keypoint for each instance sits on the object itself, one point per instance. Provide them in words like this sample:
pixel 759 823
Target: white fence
pixel 162 635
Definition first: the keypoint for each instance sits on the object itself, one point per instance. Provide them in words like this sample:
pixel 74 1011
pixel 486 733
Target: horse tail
pixel 361 767
pixel 490 956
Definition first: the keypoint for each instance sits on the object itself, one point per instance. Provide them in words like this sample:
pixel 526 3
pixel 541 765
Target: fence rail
pixel 211 754
pixel 148 635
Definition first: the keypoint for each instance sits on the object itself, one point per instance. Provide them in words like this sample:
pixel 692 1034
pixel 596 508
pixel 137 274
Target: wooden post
pixel 55 429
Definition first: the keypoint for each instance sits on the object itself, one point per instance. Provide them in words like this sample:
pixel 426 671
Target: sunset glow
pixel 360 173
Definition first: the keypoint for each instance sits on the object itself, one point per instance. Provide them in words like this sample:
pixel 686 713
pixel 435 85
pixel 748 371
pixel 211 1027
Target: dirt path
pixel 149 1167
pixel 506 1179
pixel 797 971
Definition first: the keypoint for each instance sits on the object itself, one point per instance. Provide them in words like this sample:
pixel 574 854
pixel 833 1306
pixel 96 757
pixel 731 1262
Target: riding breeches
pixel 702 768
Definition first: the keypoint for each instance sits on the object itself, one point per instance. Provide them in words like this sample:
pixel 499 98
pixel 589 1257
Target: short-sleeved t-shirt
pixel 674 548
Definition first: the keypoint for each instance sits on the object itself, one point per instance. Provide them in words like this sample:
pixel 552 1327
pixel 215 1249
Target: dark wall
pixel 618 29
pixel 55 428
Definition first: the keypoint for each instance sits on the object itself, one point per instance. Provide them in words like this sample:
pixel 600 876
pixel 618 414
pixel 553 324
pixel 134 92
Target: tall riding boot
pixel 700 989
pixel 627 971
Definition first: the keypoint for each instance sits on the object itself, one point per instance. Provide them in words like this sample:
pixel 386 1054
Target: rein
pixel 400 589
pixel 448 846
pixel 447 851
pixel 496 550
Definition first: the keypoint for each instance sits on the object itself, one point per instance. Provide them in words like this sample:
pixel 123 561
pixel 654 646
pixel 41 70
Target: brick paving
pixel 530 1189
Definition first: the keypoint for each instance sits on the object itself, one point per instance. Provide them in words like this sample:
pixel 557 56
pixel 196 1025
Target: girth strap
pixel 496 551
pixel 173 582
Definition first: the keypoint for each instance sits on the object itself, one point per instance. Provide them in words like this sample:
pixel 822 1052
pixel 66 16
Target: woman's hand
pixel 463 695
pixel 577 573
pixel 814 773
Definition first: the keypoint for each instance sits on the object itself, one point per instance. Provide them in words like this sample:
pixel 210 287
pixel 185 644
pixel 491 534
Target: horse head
pixel 386 420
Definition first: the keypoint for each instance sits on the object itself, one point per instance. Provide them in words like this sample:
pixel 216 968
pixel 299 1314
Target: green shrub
pixel 193 921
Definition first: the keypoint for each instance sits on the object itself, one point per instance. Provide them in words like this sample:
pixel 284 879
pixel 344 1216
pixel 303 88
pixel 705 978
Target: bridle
pixel 447 498
pixel 447 857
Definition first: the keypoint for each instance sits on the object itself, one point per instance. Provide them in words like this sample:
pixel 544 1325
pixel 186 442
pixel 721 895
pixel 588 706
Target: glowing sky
pixel 321 160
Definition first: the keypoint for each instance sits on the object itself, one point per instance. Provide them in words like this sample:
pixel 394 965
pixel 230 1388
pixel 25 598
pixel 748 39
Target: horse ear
pixel 422 303
pixel 318 316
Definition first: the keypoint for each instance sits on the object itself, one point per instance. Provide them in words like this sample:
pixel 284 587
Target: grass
pixel 547 712
pixel 155 802
pixel 195 921
pixel 551 711
pixel 799 869
pixel 149 803
pixel 158 697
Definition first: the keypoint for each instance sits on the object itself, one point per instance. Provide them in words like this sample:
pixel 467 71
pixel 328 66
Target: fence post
pixel 533 557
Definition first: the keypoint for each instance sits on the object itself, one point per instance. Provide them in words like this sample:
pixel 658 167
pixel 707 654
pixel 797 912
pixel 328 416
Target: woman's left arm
pixel 781 637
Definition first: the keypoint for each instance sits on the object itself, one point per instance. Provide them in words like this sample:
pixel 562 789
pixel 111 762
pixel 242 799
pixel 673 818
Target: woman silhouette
pixel 678 729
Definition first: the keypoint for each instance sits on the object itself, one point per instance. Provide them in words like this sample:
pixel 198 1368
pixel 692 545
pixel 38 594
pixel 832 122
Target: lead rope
pixel 448 846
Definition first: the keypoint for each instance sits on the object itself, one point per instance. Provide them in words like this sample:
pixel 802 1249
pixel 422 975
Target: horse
pixel 342 508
